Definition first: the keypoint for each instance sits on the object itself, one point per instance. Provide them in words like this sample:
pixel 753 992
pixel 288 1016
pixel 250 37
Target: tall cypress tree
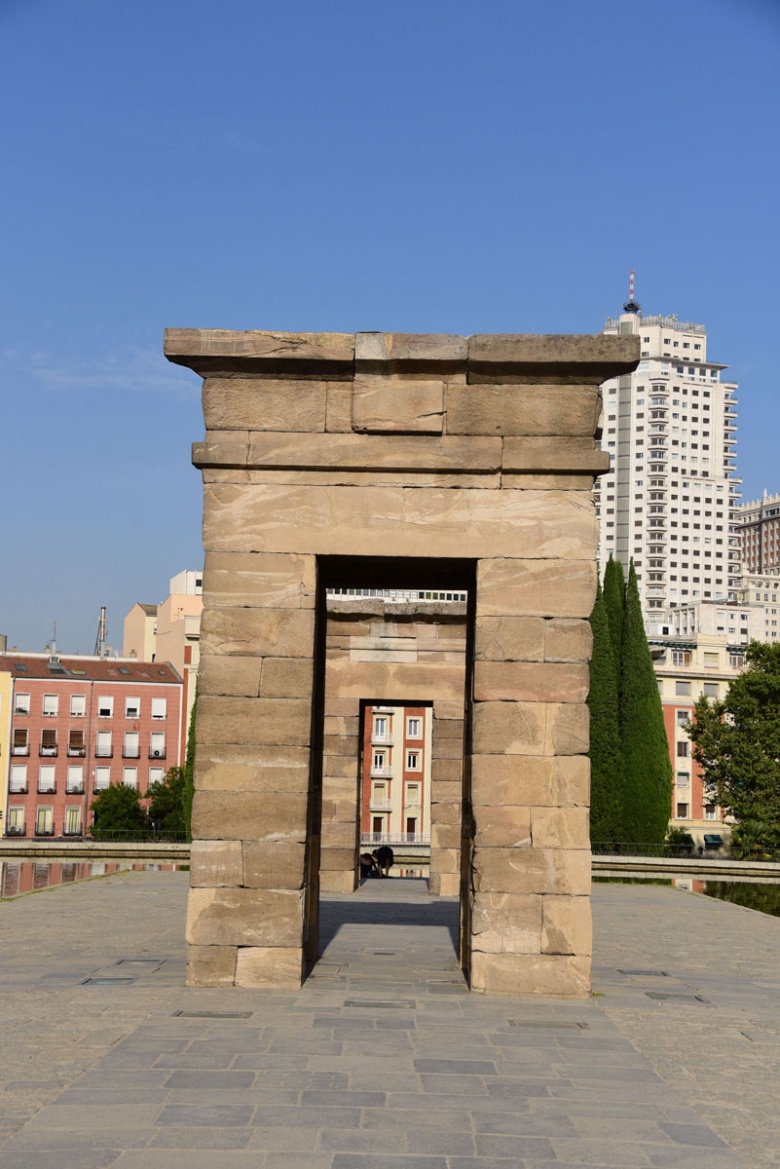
pixel 647 766
pixel 615 602
pixel 606 765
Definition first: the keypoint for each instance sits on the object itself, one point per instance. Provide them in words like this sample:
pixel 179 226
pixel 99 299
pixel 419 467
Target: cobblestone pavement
pixel 383 1060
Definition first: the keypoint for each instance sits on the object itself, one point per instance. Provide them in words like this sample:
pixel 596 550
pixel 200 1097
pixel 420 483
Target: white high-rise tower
pixel 668 499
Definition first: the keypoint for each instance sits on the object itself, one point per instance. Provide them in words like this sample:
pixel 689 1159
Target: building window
pixel 683 778
pixel 102 778
pixel 682 811
pixel 412 794
pixel 682 750
pixel 72 826
pixel 130 776
pixel 48 742
pixel 75 780
pixel 105 707
pixel 44 822
pixel 709 811
pixel 380 727
pixel 682 687
pixel 46 781
pixel 78 705
pixel 76 744
pixel 710 689
pixel 15 822
pixel 22 704
pixel 157 745
pixel 103 749
pixel 51 705
pixel 379 762
pixel 414 728
pixel 682 717
pixel 156 775
pixel 711 659
pixel 412 760
pixel 132 745
pixel 21 743
pixel 681 657
pixel 18 781
pixel 132 708
pixel 159 707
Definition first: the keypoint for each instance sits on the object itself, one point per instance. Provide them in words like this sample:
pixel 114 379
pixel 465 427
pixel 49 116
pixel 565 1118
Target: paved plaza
pixel 383 1060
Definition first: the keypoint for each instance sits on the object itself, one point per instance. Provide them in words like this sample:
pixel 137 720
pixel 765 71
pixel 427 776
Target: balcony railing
pixel 44 831
pixel 18 791
pixel 380 806
pixel 16 830
pixel 72 831
pixel 395 839
pixel 104 753
pixel 15 750
pixel 382 740
pixel 157 753
pixel 47 752
pixel 381 773
pixel 47 789
pixel 77 752
pixel 75 789
pixel 131 753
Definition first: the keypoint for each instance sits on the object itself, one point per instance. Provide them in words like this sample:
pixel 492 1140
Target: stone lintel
pixel 550 358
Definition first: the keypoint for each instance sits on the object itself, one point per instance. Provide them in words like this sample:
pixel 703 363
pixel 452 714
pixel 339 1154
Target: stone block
pixel 226 767
pixel 245 917
pixel 445 860
pixel 510 639
pixel 548 975
pixel 444 708
pixel 545 588
pixel 551 356
pixel 385 405
pixel 502 827
pixel 273 864
pixel 560 827
pixel 531 728
pixel 280 967
pixel 447 771
pixel 338 859
pixel 568 729
pixel 567 640
pixel 447 728
pixel 542 454
pixel 446 814
pixel 338 408
pixel 263 721
pixel 445 836
pixel 286 678
pixel 447 748
pixel 389 350
pixel 405 521
pixel 243 815
pixel 530 780
pixel 566 925
pixel 506 923
pixel 332 881
pixel 276 580
pixel 444 884
pixel 211 965
pixel 560 411
pixel 278 633
pixel 339 834
pixel 530 681
pixel 206 350
pixel 263 404
pixel 345 725
pixel 340 772
pixel 531 870
pixel 216 862
pixel 222 449
pixel 368 452
pixel 236 677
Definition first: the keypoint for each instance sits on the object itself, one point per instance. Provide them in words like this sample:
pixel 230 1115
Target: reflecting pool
pixel 18 877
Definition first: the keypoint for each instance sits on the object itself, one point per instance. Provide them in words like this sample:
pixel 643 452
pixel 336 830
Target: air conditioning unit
pixel 156 754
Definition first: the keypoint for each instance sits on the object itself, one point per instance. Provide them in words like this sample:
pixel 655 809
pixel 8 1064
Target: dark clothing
pixel 384 854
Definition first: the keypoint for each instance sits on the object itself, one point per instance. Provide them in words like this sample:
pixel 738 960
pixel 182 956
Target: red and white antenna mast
pixel 631 305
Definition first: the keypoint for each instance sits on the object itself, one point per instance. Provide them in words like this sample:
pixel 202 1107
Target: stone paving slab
pixel 370 1065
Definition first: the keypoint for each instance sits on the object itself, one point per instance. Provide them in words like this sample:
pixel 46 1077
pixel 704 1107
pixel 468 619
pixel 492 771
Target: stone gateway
pixel 396 461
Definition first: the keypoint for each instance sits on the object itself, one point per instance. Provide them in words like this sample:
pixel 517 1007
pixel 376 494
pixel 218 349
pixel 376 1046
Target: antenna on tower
pixel 631 305
pixel 101 641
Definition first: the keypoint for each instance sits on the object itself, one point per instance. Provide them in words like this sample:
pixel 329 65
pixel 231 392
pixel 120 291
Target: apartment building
pixel 78 724
pixel 758 529
pixel 668 500
pixel 396 775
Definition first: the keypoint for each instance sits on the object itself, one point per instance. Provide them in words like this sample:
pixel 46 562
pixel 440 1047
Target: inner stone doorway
pixel 408 447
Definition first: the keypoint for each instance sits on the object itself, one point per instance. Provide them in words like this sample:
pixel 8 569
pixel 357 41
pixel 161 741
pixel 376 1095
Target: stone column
pixel 340 796
pixel 446 798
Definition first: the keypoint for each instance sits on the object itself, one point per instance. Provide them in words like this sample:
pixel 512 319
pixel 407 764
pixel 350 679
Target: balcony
pixel 382 740
pixel 75 789
pixel 21 710
pixel 396 839
pixel 47 753
pixel 71 832
pixel 380 806
pixel 16 830
pixel 20 750
pixel 44 831
pixel 157 753
pixel 131 753
pixel 47 790
pixel 18 791
pixel 77 752
pixel 381 773
pixel 104 753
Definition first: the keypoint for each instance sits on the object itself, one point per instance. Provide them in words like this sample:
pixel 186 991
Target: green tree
pixel 117 809
pixel 189 773
pixel 166 807
pixel 737 744
pixel 606 764
pixel 615 603
pixel 645 749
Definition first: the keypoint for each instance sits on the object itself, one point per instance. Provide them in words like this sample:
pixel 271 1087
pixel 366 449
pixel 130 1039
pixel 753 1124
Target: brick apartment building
pixel 74 725
pixel 396 770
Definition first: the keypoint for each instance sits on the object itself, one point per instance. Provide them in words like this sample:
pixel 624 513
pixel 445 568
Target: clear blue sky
pixel 416 165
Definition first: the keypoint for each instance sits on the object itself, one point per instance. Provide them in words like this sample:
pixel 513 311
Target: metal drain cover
pixel 645 973
pixel 681 998
pixel 108 981
pixel 381 1004
pixel 549 1026
pixel 212 1015
pixel 140 961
